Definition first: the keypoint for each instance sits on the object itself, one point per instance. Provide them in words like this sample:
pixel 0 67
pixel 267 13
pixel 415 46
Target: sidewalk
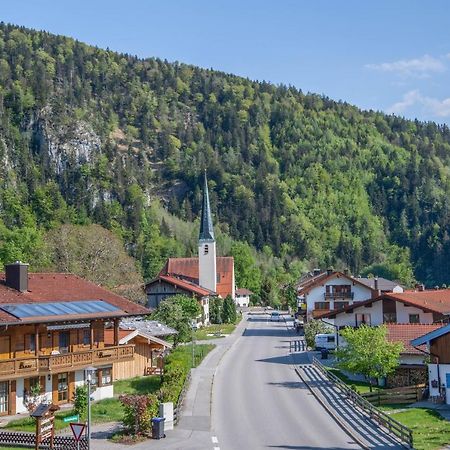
pixel 193 429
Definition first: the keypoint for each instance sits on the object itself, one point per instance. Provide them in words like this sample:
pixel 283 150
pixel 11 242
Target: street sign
pixel 77 430
pixel 71 419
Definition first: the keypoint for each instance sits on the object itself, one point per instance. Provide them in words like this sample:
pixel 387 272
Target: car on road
pixel 325 341
pixel 275 316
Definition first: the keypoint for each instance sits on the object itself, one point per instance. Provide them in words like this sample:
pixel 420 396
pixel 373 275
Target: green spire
pixel 206 225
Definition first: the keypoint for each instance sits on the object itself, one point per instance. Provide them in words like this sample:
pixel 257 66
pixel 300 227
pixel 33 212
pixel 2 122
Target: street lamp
pixel 90 372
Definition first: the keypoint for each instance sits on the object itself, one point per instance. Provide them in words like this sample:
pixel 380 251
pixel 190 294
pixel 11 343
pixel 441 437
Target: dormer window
pixel 206 249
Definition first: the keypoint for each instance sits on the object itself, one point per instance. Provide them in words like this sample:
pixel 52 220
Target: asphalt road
pixel 259 401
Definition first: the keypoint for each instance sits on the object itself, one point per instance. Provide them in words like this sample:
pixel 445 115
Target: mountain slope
pixel 92 135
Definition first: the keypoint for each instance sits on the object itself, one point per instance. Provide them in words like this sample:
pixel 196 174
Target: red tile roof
pixel 187 285
pixel 243 291
pixel 405 333
pixel 434 301
pixel 61 287
pixel 187 268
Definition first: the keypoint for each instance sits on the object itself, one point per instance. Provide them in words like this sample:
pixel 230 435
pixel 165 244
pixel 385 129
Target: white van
pixel 325 341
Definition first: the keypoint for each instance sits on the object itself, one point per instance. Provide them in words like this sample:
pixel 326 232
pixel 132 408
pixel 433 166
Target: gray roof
pixel 206 225
pixel 383 283
pixel 150 327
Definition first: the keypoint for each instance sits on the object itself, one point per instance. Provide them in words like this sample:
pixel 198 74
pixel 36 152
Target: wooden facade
pixel 146 360
pixel 51 354
pixel 440 347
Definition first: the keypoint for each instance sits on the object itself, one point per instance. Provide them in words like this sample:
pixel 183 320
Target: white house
pixel 438 345
pixel 242 298
pixel 330 290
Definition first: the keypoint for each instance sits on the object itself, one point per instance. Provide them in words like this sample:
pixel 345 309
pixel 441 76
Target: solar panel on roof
pixel 26 310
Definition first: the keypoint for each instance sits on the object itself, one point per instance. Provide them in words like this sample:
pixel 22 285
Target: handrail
pixel 401 431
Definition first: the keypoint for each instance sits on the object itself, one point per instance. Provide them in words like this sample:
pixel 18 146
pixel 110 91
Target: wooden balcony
pixel 338 295
pixel 33 366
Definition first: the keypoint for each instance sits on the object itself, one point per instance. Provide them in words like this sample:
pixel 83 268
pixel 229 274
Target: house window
pixel 30 343
pixel 414 318
pixel 4 397
pixel 362 319
pixel 106 376
pixel 63 387
pixel 64 338
pixel 322 305
pixel 389 317
pixel 218 277
pixel 205 249
pixel 86 336
pixel 340 305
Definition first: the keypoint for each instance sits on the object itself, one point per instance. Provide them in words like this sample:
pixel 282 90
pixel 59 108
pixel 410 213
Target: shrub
pixel 80 402
pixel 138 412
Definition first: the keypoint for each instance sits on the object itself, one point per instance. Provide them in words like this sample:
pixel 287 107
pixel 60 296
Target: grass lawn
pixel 360 386
pixel 215 330
pixel 430 430
pixel 138 385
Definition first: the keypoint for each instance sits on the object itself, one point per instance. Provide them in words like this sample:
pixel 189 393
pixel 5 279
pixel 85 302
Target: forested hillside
pixel 92 136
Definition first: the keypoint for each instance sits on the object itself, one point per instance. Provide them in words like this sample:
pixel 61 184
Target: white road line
pixel 216 448
pixel 215 440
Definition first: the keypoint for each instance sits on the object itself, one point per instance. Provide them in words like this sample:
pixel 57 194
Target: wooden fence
pixel 408 394
pixel 403 433
pixel 24 439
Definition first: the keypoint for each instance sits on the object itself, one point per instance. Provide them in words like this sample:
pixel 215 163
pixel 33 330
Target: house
pixel 381 284
pixel 321 292
pixel 420 306
pixel 149 348
pixel 203 277
pixel 52 328
pixel 412 369
pixel 437 343
pixel 242 298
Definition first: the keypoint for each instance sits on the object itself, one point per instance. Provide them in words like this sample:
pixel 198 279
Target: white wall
pixel 403 313
pixel 444 369
pixel 242 300
pixel 412 359
pixel 207 271
pixel 20 407
pixel 103 392
pixel 360 292
pixel 376 315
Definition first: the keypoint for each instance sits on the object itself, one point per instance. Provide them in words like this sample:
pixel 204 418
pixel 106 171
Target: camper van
pixel 325 341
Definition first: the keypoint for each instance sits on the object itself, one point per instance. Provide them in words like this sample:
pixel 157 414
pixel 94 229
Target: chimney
pixel 375 283
pixel 420 287
pixel 17 276
pixel 329 271
pixel 346 271
pixel 316 272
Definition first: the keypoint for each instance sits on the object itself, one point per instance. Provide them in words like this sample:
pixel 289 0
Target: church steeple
pixel 207 264
pixel 206 225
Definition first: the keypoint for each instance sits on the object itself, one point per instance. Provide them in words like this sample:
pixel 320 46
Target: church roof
pixel 206 225
pixel 187 268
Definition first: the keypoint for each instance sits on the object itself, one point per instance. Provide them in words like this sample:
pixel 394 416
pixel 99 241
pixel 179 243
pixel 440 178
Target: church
pixel 203 277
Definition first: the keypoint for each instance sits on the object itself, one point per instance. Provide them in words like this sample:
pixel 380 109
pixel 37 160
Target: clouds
pixel 424 66
pixel 428 105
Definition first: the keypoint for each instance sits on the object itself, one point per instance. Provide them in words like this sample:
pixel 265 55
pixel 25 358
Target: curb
pixel 341 424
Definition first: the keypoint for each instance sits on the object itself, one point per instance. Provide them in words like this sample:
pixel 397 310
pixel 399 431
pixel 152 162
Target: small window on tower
pixel 218 277
pixel 206 249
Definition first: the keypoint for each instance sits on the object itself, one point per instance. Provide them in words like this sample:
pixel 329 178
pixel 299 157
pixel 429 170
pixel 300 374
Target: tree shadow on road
pixel 272 332
pixel 309 447
pixel 289 384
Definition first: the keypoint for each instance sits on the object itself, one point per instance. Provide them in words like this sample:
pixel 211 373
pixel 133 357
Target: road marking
pixel 215 440
pixel 216 448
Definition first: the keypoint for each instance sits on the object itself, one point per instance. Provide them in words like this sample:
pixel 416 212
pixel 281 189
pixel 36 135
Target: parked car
pixel 325 341
pixel 275 316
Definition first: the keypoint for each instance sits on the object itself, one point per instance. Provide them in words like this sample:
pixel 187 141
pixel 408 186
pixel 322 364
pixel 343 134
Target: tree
pixel 368 352
pixel 229 310
pixel 248 275
pixel 313 327
pixel 80 402
pixel 178 312
pixel 93 253
pixel 215 310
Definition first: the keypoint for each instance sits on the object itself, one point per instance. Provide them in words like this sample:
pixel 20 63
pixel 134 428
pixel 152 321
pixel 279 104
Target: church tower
pixel 207 269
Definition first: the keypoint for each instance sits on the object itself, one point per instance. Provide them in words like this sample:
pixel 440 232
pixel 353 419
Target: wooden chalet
pixel 52 327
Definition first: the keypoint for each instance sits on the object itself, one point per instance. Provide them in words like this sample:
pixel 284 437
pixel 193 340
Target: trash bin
pixel 158 428
pixel 324 353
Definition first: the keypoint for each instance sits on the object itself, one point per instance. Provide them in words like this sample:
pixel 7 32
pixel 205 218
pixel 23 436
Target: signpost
pixel 77 430
pixel 71 419
pixel 45 423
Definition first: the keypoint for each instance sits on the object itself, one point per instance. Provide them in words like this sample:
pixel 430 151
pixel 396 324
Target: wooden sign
pixel 45 423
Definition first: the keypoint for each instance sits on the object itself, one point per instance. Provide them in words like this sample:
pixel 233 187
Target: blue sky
pixel 392 55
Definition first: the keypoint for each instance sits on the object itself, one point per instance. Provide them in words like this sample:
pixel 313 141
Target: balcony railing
pixel 57 363
pixel 338 295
